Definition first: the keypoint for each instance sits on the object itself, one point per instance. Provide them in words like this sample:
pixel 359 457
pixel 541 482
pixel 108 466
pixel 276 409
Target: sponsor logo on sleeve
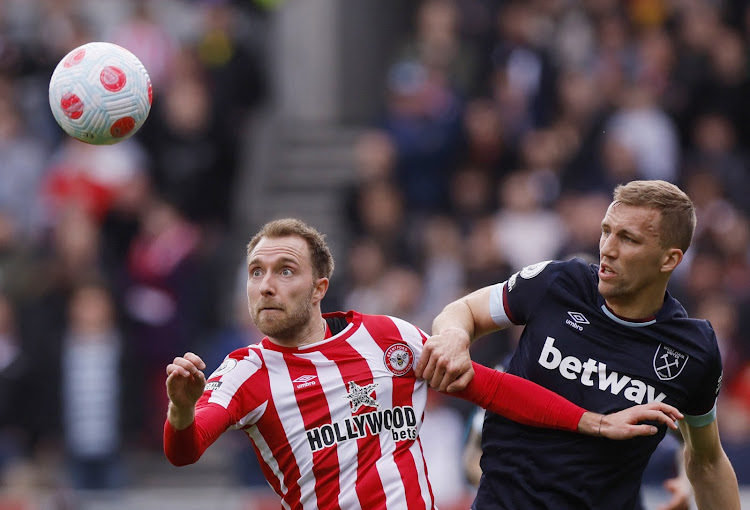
pixel 531 271
pixel 227 365
pixel 213 385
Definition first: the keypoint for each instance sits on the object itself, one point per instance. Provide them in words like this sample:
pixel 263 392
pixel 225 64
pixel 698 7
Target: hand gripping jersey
pixel 574 345
pixel 335 424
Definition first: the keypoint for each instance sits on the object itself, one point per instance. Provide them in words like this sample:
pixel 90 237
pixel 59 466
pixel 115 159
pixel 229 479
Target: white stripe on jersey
pixel 251 417
pixel 268 458
pixel 413 337
pixel 421 463
pixel 291 420
pixel 497 306
pixel 332 382
pixel 393 485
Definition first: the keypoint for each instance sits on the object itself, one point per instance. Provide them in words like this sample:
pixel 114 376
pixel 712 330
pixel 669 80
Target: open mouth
pixel 606 272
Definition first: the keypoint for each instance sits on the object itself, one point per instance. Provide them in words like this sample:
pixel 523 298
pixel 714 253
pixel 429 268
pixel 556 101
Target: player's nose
pixel 267 284
pixel 608 246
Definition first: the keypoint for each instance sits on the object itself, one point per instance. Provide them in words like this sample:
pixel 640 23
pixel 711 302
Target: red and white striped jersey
pixel 335 424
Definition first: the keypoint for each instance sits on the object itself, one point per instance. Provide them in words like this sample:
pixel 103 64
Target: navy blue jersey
pixel 574 345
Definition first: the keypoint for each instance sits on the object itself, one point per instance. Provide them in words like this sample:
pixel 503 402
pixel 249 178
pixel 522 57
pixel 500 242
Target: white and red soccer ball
pixel 100 93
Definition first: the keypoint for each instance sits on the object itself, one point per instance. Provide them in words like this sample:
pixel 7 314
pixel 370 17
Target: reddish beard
pixel 288 323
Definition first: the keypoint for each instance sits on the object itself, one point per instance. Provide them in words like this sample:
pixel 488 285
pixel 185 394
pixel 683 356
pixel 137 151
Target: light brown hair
pixel 678 220
pixel 320 255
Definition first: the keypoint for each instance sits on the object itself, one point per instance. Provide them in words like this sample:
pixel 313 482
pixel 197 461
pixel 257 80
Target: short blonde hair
pixel 678 219
pixel 320 255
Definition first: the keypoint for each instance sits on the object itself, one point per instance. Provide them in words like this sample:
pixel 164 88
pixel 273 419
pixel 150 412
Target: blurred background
pixel 440 144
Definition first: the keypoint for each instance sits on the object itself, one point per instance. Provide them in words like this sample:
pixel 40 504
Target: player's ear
pixel 671 259
pixel 320 289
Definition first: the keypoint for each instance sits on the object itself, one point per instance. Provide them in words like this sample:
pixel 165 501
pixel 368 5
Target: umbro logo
pixel 576 321
pixel 304 381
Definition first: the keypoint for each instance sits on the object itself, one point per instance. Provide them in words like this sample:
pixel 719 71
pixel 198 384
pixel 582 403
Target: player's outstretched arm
pixel 708 468
pixel 526 402
pixel 445 362
pixel 628 423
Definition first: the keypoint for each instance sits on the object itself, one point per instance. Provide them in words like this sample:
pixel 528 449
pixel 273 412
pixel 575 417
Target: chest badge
pixel 668 362
pixel 398 359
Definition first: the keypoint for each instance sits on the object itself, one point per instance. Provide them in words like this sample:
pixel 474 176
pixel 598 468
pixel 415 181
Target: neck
pixel 635 309
pixel 314 331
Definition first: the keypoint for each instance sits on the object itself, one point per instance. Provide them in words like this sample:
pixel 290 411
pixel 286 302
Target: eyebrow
pixel 623 231
pixel 282 260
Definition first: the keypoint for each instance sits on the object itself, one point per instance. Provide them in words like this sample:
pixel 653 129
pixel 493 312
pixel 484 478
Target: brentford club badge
pixel 398 359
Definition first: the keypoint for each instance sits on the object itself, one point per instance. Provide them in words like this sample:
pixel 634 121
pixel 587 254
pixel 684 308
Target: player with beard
pixel 331 402
pixel 607 337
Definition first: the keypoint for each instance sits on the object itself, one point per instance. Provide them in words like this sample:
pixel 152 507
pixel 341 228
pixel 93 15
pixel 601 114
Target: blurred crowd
pixel 112 259
pixel 504 127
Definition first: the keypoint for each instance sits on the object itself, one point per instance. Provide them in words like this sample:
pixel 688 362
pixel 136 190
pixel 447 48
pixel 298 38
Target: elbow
pixel 180 460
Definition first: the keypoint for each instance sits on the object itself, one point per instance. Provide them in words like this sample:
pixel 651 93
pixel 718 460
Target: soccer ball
pixel 100 93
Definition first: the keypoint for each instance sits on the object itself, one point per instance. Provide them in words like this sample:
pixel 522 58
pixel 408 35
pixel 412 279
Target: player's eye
pixel 287 272
pixel 256 272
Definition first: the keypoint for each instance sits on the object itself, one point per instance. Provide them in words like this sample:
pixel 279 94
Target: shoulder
pixel 575 270
pixel 242 359
pixel 697 330
pixel 391 329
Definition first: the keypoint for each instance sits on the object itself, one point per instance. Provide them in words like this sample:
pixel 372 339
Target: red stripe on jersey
pixel 309 399
pixel 369 486
pixel 386 333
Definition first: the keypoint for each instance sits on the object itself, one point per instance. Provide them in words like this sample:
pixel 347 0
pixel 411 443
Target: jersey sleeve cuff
pixel 497 308
pixel 701 420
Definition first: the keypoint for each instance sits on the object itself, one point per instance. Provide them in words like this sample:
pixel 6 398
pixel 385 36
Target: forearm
pixel 714 484
pixel 180 418
pixel 521 400
pixel 456 315
pixel 185 445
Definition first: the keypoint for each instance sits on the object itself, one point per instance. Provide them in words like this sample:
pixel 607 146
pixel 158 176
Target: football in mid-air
pixel 100 93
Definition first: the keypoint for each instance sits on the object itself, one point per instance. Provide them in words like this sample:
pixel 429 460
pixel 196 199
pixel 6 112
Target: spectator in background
pixel 150 41
pixel 70 257
pixel 525 231
pixel 15 373
pixel 716 149
pixel 228 50
pixel 92 389
pixel 87 177
pixel 366 264
pixel 436 42
pixel 165 301
pixel 484 139
pixel 641 127
pixel 23 159
pixel 423 116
